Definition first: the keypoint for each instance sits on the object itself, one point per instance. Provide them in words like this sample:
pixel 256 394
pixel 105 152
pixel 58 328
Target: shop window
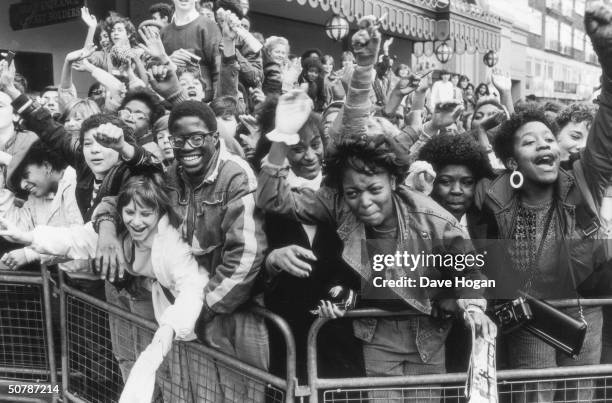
pixel 566 39
pixel 535 21
pixel 552 34
pixel 37 68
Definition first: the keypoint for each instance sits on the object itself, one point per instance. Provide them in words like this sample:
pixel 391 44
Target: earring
pixel 516 176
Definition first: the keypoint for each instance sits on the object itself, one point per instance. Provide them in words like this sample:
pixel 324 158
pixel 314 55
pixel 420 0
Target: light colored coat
pixel 173 266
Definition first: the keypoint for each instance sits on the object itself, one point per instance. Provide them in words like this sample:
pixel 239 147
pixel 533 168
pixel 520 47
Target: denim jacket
pixel 423 226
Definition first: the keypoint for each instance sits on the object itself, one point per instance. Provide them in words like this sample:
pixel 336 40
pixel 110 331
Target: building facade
pixel 560 63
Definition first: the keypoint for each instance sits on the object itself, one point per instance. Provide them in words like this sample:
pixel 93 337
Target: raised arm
pixel 356 111
pixel 597 158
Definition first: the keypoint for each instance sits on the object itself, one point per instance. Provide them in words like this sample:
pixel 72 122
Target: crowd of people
pixel 210 169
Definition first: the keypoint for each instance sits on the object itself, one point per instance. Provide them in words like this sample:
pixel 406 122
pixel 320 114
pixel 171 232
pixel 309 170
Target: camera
pixel 512 314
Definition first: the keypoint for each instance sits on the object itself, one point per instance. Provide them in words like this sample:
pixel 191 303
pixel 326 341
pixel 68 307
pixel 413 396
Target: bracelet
pixel 105 217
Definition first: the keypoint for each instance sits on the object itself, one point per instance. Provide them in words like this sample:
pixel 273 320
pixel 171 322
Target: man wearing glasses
pixel 213 191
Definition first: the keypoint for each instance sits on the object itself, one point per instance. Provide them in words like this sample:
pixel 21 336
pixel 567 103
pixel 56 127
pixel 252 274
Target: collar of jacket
pixel 502 194
pixel 353 235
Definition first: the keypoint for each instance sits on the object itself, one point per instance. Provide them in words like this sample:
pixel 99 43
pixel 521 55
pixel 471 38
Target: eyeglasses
pixel 124 114
pixel 195 139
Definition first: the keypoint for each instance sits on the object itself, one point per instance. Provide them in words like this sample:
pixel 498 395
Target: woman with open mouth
pixel 548 218
pixel 163 280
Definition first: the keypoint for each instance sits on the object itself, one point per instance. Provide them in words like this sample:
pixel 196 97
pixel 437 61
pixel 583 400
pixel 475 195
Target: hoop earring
pixel 516 174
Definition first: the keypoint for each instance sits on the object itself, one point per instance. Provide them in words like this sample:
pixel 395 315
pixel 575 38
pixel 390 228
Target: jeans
pixel 527 351
pixel 242 335
pixel 410 346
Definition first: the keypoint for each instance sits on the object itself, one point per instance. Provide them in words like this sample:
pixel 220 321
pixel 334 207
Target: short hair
pixel 308 53
pixel 148 190
pixel 311 62
pixel 226 105
pixel 230 5
pixel 399 67
pixel 164 10
pixel 193 109
pixel 95 121
pixel 503 144
pixel 149 98
pixel 38 154
pixel 464 78
pixel 461 149
pixel 576 112
pixel 369 155
pixel 130 29
pixel 273 41
pixel 87 106
pixel 93 87
pixel 531 97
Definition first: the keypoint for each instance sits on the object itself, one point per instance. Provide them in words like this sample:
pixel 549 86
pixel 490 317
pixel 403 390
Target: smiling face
pixel 454 189
pixel 35 179
pixel 536 153
pixel 312 74
pixel 369 197
pixel 572 138
pixel 305 157
pixel 140 221
pixel 194 160
pixel 193 86
pixel 98 158
pixel 278 54
pixel 105 41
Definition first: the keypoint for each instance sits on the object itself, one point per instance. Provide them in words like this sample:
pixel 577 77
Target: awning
pixel 422 20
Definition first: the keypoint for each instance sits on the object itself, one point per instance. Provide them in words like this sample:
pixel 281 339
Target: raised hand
pixel 292 112
pixel 88 18
pixel 7 77
pixel 387 45
pixel 110 136
pixel 598 25
pixel 163 80
pixel 501 80
pixel 153 45
pixel 366 41
pixel 446 114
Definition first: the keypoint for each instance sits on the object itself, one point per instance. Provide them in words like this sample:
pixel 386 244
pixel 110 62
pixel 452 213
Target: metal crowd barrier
pixel 590 383
pixel 27 349
pixel 192 372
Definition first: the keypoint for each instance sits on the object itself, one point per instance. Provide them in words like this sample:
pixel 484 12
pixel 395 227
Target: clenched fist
pixel 110 136
pixel 598 25
pixel 366 41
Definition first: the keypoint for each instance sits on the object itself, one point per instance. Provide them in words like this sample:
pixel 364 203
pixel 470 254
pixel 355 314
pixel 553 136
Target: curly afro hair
pixel 503 144
pixel 576 112
pixel 461 149
pixel 369 155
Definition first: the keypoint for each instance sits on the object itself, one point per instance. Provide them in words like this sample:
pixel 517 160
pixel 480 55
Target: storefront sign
pixel 31 13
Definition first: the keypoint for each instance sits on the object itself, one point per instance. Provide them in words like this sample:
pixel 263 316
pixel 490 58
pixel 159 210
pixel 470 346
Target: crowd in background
pixel 210 168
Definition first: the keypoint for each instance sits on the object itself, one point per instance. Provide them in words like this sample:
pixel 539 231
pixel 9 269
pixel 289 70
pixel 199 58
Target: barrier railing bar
pixel 45 276
pixel 221 357
pixel 316 384
pixel 291 354
pixel 16 398
pixel 74 398
pixel 21 279
pixel 25 371
pixel 63 334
